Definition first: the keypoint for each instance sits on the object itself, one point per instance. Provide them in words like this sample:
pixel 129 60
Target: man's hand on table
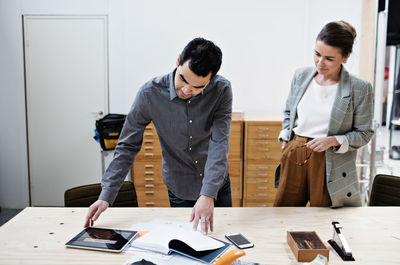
pixel 94 212
pixel 203 214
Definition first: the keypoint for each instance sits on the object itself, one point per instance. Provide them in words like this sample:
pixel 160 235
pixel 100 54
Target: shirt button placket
pixel 190 131
pixel 190 123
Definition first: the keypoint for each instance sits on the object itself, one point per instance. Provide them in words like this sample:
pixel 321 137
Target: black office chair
pixel 84 196
pixel 385 191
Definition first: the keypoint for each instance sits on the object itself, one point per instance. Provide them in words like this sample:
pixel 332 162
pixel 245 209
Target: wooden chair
pixel 385 191
pixel 84 196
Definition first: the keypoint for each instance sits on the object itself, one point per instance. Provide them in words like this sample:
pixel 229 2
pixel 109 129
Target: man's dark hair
pixel 204 56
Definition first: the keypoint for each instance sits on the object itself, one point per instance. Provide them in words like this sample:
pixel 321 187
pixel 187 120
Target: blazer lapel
pixel 341 103
pixel 303 87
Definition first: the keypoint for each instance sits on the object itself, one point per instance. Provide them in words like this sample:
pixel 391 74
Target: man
pixel 191 110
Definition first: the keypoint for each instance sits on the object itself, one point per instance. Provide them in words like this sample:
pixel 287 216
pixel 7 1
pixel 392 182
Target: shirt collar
pixel 172 91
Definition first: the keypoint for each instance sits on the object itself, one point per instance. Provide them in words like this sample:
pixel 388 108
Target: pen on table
pixel 307 244
pixel 300 245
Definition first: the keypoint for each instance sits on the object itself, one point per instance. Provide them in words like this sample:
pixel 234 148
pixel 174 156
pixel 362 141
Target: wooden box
pixel 306 245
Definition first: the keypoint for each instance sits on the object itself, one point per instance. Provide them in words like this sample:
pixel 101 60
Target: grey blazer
pixel 351 116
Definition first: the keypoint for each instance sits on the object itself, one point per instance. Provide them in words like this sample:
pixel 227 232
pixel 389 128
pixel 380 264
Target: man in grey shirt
pixel 191 109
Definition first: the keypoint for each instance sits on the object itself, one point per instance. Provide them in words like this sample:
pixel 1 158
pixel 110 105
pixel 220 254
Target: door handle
pixel 100 112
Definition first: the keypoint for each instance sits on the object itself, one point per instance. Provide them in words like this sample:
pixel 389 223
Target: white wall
pixel 263 42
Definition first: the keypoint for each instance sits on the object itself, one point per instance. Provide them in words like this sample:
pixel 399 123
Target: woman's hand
pixel 284 143
pixel 322 144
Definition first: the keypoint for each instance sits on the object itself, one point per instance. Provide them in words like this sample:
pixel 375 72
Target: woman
pixel 328 116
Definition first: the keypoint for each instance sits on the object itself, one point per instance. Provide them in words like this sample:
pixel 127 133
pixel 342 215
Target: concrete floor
pixel 7 214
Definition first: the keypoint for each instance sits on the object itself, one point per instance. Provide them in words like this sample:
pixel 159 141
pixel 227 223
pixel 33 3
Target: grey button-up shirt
pixel 194 137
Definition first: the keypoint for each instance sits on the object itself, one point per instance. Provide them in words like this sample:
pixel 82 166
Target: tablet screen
pixel 105 239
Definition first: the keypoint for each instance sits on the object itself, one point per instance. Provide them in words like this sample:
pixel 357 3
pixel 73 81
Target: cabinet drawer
pixel 154 203
pixel 236 202
pixel 260 195
pixel 149 153
pixel 258 204
pixel 150 132
pixel 264 145
pixel 157 192
pixel 152 189
pixel 272 158
pixel 260 167
pixel 235 175
pixel 236 141
pixel 147 180
pixel 151 145
pixel 260 174
pixel 236 191
pixel 151 148
pixel 259 186
pixel 147 171
pixel 235 169
pixel 260 181
pixel 262 131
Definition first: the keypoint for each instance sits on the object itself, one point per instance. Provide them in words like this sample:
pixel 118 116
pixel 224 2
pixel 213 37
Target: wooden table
pixel 37 235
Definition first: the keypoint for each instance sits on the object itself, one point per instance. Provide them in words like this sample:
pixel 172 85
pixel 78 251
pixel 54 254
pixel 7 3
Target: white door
pixel 66 68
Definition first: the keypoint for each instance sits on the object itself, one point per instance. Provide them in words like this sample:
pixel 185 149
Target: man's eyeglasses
pixel 301 163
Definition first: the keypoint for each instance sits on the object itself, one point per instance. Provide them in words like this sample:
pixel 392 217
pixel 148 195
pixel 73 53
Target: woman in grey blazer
pixel 328 116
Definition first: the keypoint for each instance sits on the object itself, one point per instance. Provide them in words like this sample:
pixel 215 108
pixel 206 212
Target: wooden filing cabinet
pixel 147 168
pixel 262 155
pixel 147 171
pixel 235 157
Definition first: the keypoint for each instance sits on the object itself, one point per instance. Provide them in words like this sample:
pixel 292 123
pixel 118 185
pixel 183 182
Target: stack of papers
pixel 166 237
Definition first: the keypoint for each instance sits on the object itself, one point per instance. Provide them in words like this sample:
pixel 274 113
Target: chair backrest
pixel 84 196
pixel 385 191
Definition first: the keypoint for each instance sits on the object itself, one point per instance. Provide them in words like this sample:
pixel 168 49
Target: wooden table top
pixel 37 235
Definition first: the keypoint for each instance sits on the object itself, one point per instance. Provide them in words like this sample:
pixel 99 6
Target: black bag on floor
pixel 108 130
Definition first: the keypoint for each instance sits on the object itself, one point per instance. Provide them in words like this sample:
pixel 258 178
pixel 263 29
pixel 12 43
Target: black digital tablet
pixel 104 239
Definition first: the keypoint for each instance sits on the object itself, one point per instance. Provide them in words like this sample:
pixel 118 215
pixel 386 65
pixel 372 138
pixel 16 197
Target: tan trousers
pixel 302 176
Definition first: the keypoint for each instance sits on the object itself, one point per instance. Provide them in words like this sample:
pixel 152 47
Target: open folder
pixel 191 244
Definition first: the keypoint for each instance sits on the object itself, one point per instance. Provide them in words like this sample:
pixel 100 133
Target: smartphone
pixel 239 240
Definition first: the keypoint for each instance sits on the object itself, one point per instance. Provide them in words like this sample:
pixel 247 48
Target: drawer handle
pixel 261 188
pixel 263 129
pixel 262 167
pixel 148 142
pixel 261 194
pixel 261 181
pixel 263 135
pixel 148 155
pixel 266 143
pixel 148 134
pixel 148 148
pixel 149 185
pixel 149 179
pixel 261 205
pixel 263 149
pixel 150 192
pixel 263 175
pixel 149 172
pixel 148 166
pixel 150 203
